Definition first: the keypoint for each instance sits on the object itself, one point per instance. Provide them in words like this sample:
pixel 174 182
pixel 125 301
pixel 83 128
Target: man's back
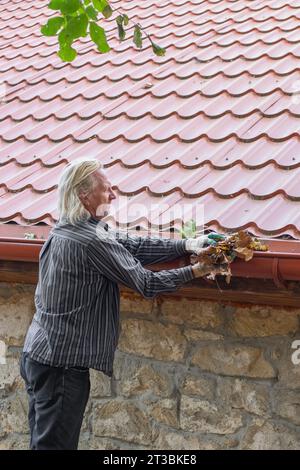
pixel 77 308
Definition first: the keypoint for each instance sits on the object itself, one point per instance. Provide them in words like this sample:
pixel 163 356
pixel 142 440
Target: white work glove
pixel 195 245
pixel 201 269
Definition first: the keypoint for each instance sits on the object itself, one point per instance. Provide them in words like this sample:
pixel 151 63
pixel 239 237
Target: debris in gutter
pixel 29 236
pixel 238 245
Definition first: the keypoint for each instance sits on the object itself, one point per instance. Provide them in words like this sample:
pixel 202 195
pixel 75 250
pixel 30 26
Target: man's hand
pixel 195 245
pixel 201 269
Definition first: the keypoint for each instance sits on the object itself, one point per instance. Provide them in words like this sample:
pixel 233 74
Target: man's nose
pixel 112 195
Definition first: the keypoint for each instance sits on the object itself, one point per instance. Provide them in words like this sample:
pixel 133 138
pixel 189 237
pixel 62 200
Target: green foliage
pixel 107 11
pixel 52 26
pixel 103 6
pixel 70 6
pixel 77 26
pixel 91 13
pixel 64 38
pixel 55 4
pixel 121 30
pixel 99 4
pixel 67 53
pixel 30 235
pixel 99 37
pixel 65 6
pixel 78 19
pixel 157 49
pixel 137 37
pixel 189 229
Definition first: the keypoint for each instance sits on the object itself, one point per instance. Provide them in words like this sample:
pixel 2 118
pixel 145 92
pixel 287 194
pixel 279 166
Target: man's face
pixel 99 200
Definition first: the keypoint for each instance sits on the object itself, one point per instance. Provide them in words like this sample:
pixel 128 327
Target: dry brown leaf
pixel 244 253
pixel 239 244
pixel 256 245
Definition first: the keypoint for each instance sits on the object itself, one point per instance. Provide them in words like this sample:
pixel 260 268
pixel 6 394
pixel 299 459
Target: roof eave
pixel 280 263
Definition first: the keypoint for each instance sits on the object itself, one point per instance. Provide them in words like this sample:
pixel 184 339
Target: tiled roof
pixel 215 122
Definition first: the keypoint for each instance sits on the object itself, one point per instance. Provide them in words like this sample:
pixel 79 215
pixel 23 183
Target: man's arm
pixel 114 261
pixel 150 250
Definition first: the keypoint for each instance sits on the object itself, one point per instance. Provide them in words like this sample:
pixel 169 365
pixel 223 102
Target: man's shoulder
pixel 82 232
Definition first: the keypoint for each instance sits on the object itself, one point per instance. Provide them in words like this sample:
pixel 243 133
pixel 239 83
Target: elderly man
pixel 76 323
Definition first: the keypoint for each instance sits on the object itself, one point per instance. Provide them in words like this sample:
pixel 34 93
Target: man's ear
pixel 84 199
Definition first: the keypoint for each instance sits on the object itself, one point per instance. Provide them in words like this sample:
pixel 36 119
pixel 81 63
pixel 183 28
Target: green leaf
pixel 77 26
pixel 65 38
pixel 104 7
pixel 137 37
pixel 107 11
pixel 67 54
pixel 99 37
pixel 92 13
pixel 84 24
pixel 52 26
pixel 30 235
pixel 87 2
pixel 100 4
pixel 121 30
pixel 55 4
pixel 125 20
pixel 189 229
pixel 70 6
pixel 157 49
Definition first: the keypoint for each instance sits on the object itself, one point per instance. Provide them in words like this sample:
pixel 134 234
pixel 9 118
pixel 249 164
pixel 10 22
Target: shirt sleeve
pixel 150 250
pixel 110 258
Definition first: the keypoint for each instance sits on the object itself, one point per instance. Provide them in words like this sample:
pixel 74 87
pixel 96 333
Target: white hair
pixel 76 180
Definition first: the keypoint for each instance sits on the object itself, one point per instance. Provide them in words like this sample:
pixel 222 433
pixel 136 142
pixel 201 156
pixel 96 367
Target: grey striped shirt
pixel 77 298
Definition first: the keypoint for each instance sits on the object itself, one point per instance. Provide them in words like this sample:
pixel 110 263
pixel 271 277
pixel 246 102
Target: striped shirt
pixel 76 321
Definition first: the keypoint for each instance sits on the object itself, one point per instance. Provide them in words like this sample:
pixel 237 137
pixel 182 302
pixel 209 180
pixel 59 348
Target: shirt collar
pixel 95 221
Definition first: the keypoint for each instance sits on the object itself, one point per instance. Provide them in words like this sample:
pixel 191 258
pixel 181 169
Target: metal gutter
pixel 20 249
pixel 280 264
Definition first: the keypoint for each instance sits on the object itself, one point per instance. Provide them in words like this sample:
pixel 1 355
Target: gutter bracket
pixel 277 278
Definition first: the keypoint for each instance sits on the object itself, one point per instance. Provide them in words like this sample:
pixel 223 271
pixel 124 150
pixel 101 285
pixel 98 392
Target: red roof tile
pixel 213 124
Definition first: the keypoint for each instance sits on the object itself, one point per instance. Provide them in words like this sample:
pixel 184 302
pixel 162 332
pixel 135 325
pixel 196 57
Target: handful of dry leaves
pixel 238 245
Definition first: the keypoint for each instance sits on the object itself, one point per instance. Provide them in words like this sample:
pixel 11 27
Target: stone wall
pixel 188 374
